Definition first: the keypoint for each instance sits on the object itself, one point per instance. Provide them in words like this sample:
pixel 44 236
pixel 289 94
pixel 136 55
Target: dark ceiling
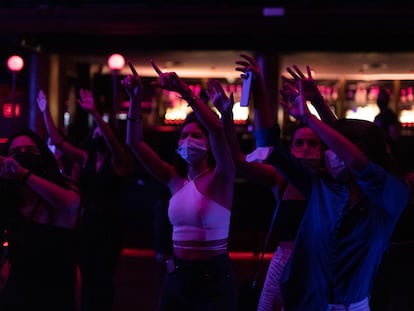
pixel 101 26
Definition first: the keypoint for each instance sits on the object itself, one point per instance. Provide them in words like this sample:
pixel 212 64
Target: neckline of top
pixel 199 175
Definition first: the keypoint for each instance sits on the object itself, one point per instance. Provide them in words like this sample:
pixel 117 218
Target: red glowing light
pixel 15 63
pixel 116 61
pixel 8 110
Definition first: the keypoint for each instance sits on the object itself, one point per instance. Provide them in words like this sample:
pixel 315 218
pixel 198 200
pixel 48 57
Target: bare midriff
pixel 199 249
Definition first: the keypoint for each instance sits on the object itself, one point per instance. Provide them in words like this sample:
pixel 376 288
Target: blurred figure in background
pixel 41 208
pixel 105 165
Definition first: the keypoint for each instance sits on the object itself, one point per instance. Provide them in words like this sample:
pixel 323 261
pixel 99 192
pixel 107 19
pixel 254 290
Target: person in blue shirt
pixel 353 207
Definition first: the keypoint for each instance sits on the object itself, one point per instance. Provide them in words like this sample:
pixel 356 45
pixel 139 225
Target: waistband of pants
pixel 362 305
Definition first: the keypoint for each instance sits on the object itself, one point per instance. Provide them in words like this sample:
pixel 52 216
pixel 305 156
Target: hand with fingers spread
pixel 310 88
pixel 297 107
pixel 219 98
pixel 311 92
pixel 86 100
pixel 248 64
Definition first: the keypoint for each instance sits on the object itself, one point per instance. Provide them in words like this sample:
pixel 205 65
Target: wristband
pixel 26 176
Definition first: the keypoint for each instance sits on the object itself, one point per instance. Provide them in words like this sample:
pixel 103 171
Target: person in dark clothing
pixel 40 208
pixel 104 169
pixel 387 119
pixel 353 208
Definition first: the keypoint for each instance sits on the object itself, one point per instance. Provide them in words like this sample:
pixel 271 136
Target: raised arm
pixel 158 168
pixel 348 152
pixel 119 156
pixel 260 173
pixel 311 92
pixel 75 154
pixel 263 114
pixel 219 146
pixel 66 200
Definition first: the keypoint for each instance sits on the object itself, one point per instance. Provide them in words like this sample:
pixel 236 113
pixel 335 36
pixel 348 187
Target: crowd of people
pixel 339 190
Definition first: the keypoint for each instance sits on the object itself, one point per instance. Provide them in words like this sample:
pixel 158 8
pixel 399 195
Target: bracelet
pixel 134 119
pixel 26 176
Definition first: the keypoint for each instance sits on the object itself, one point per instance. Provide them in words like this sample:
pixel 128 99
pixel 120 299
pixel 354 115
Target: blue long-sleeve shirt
pixel 339 246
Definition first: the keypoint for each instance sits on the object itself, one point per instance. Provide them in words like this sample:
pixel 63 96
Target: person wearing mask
pixel 104 169
pixel 40 210
pixel 305 145
pixel 351 212
pixel 201 183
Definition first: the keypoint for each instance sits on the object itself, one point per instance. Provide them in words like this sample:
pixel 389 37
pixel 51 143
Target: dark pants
pixel 101 241
pixel 393 288
pixel 200 285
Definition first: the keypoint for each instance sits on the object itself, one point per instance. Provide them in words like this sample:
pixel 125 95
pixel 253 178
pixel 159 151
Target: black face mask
pixel 31 161
pixel 99 144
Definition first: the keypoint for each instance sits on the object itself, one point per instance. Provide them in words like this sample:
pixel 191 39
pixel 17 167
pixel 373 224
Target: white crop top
pixel 195 217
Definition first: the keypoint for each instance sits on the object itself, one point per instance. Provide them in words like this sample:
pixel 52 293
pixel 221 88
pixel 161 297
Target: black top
pixel 100 190
pixel 42 267
pixel 289 218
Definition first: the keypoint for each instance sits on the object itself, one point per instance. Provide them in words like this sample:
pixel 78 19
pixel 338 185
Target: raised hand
pixel 169 81
pixel 133 83
pixel 297 106
pixel 218 97
pixel 86 100
pixel 248 64
pixel 310 88
pixel 41 101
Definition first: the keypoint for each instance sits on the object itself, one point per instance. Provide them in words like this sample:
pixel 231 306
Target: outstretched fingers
pixel 156 68
pixel 134 72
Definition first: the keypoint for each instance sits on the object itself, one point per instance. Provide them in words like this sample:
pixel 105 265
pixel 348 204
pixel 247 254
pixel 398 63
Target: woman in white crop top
pixel 201 183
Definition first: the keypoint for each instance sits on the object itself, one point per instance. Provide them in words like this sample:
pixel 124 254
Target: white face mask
pixel 192 150
pixel 334 164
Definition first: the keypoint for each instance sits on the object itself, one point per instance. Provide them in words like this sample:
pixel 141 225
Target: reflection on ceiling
pixel 221 64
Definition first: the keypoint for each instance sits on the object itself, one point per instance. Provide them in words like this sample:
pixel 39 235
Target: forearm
pixel 134 133
pixel 346 150
pixel 324 111
pixel 118 152
pixel 55 195
pixel 203 112
pixel 231 135
pixel 55 137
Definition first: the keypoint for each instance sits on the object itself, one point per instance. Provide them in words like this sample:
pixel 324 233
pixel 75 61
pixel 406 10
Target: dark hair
pixel 368 137
pixel 52 172
pixel 383 98
pixel 179 164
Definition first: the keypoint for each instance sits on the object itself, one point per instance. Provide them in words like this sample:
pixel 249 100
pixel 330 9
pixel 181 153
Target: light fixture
pixel 15 63
pixel 115 62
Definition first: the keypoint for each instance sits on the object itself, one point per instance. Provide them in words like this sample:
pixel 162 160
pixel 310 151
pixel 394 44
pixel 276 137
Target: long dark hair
pixel 180 165
pixel 51 169
pixel 369 138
